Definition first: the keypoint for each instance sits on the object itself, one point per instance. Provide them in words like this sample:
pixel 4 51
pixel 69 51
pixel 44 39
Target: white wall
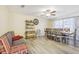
pixel 11 21
pixel 41 26
pixel 49 23
pixel 17 23
pixel 3 20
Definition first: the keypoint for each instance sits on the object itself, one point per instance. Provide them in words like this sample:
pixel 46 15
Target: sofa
pixel 9 40
pixel 10 34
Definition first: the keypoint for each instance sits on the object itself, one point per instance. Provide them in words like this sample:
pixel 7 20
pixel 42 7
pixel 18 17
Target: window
pixel 65 23
pixel 69 23
pixel 58 24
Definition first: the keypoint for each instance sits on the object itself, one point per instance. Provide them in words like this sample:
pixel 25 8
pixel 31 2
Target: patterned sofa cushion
pixel 18 42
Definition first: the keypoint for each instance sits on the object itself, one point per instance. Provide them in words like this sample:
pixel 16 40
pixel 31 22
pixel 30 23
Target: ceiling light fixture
pixel 48 15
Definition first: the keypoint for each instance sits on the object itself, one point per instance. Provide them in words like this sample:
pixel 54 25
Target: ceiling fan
pixel 49 12
pixel 53 13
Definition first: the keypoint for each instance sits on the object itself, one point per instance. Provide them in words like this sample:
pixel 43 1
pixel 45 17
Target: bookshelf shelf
pixel 29 29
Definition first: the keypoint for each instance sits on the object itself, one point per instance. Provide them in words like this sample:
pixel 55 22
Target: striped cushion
pixel 10 34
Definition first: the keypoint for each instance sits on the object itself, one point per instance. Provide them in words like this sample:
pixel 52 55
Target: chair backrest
pixel 66 29
pixel 5 43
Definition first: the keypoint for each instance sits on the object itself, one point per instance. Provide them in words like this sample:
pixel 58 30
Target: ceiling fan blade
pixel 53 11
pixel 48 10
pixel 22 6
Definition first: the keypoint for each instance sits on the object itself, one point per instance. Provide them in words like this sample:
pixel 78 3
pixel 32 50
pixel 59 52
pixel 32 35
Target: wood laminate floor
pixel 42 45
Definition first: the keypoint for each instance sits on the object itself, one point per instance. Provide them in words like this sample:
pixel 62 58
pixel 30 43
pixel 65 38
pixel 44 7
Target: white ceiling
pixel 36 10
